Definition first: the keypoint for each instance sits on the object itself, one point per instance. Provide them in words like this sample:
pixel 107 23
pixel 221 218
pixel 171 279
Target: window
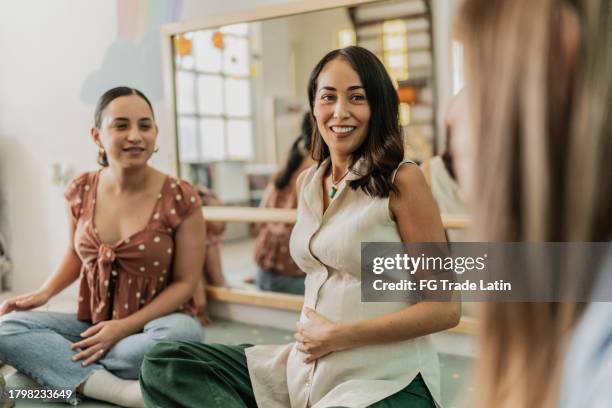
pixel 395 49
pixel 346 37
pixel 213 95
pixel 399 33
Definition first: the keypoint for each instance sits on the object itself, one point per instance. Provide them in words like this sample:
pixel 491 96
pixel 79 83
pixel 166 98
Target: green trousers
pixel 196 375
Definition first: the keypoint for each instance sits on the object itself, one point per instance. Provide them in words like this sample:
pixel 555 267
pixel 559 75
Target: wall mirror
pixel 239 94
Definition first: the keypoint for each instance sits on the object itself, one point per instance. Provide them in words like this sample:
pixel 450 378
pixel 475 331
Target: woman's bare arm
pixel 418 220
pixel 66 274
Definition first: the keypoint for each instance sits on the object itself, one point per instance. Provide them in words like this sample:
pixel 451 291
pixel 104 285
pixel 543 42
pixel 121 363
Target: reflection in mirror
pixel 237 249
pixel 245 257
pixel 241 96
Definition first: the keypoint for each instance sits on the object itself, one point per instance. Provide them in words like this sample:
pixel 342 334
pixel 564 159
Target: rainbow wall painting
pixel 136 17
pixel 134 58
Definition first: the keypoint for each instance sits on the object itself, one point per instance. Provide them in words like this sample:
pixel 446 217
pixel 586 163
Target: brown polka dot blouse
pixel 120 278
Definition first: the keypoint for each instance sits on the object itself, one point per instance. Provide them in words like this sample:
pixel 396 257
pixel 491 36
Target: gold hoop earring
pixel 102 158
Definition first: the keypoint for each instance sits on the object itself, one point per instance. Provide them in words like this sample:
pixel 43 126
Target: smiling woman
pixel 340 101
pixel 145 118
pixel 343 346
pixel 137 239
pixel 343 113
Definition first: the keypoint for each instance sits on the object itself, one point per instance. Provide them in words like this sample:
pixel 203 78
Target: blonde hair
pixel 533 135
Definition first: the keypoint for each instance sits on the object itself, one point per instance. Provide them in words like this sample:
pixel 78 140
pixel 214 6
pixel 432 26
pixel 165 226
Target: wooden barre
pixel 249 214
pixel 282 301
pixel 254 214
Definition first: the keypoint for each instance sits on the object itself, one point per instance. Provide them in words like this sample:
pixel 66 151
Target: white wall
pixel 443 14
pixel 313 36
pixel 275 78
pixel 47 49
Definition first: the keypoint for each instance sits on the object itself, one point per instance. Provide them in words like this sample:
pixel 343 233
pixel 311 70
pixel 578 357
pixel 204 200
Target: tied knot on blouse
pixel 106 255
pixel 118 279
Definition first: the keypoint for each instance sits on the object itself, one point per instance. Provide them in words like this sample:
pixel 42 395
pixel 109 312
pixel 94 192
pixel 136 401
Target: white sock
pixel 102 385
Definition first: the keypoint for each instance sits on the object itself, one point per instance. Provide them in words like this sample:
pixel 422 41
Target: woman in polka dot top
pixel 137 249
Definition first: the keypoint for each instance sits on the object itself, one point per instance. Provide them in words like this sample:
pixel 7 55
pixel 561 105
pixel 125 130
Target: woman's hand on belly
pixel 318 336
pixel 99 340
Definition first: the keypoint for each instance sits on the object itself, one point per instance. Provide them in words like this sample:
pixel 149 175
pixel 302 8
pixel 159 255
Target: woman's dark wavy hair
pixel 383 149
pixel 298 151
pixel 104 101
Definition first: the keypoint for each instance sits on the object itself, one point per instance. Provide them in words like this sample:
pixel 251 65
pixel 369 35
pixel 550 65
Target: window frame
pixel 224 116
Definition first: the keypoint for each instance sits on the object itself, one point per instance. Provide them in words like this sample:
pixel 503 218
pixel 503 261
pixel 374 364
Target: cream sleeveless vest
pixel 328 248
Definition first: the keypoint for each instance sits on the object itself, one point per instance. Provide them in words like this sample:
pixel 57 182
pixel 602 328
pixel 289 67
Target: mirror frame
pixel 269 300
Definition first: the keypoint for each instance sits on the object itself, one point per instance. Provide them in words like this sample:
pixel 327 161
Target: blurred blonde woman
pixel 538 82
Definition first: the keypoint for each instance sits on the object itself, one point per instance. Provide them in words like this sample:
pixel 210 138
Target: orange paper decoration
pixel 182 45
pixel 408 94
pixel 217 40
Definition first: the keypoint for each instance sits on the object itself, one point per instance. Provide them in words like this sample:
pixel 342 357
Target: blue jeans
pixel 38 345
pixel 276 282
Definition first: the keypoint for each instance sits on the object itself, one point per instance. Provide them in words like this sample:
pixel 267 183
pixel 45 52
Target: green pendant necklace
pixel 334 188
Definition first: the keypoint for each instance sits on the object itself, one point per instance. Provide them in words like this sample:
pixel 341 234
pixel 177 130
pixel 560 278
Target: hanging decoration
pixel 408 94
pixel 218 40
pixel 182 45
